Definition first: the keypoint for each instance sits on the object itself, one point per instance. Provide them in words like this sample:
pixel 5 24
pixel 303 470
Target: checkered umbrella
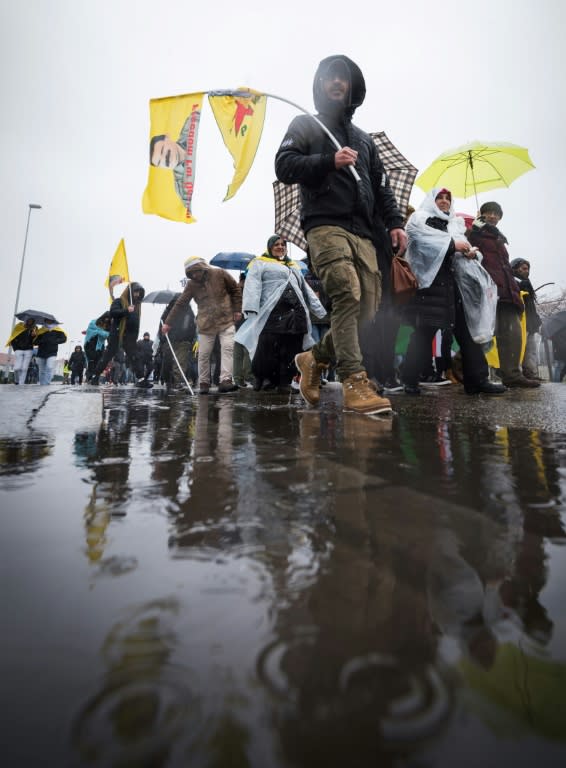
pixel 288 199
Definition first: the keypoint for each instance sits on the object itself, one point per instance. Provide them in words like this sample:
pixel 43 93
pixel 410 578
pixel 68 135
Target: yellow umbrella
pixel 476 167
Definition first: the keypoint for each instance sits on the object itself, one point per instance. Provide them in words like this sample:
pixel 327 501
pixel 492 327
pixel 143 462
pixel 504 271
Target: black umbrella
pixel 161 297
pixel 37 315
pixel 232 260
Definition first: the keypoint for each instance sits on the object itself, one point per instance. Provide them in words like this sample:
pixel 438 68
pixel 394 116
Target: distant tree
pixel 548 306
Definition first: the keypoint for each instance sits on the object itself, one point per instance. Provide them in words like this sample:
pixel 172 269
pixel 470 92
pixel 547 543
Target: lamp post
pixel 31 206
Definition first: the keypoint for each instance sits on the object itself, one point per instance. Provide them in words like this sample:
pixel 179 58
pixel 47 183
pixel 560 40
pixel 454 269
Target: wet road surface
pixel 239 581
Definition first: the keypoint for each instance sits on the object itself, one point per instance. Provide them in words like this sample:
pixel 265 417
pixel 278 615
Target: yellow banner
pixel 241 123
pixel 118 272
pixel 172 154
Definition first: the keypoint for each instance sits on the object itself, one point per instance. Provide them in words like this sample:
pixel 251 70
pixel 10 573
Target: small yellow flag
pixel 240 121
pixel 173 139
pixel 118 272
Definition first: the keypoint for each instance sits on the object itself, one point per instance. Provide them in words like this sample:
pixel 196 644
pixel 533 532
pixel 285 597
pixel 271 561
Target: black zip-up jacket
pixel 330 196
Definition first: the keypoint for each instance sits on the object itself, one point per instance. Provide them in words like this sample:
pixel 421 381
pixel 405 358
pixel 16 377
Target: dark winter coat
pixel 185 329
pixel 47 343
pixel 77 361
pixel 435 306
pixel 329 196
pixel 531 315
pixel 492 245
pixel 24 340
pixel 144 349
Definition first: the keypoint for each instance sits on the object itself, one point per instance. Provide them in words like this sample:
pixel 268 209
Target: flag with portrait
pixel 173 137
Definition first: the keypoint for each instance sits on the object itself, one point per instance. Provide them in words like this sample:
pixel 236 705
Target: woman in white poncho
pixel 435 239
pixel 277 303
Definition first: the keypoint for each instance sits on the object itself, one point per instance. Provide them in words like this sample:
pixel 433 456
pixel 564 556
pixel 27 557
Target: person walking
pixel 485 235
pixel 21 340
pixel 521 270
pixel 342 219
pixel 182 338
pixel 436 238
pixel 95 338
pixel 47 340
pixel 219 301
pixel 125 312
pixel 144 352
pixel 77 364
pixel 277 303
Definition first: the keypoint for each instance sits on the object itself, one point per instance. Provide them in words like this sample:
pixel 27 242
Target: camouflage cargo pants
pixel 347 267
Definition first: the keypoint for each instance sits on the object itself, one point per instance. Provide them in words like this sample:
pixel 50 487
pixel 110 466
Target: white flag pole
pixel 249 94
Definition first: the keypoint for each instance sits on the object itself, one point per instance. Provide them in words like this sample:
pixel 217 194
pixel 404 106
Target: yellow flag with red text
pixel 118 272
pixel 240 121
pixel 173 136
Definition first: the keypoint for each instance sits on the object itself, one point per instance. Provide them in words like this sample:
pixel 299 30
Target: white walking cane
pixel 177 361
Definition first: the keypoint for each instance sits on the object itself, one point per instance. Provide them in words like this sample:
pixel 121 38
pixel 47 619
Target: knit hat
pixel 516 263
pixel 194 261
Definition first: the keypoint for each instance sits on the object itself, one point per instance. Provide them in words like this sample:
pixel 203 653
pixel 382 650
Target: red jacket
pixel 492 244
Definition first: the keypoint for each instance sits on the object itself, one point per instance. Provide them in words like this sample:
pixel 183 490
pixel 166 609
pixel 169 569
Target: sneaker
pixel 144 384
pixel 391 386
pixel 227 386
pixel 204 388
pixel 361 397
pixel 412 389
pixel 434 381
pixel 310 370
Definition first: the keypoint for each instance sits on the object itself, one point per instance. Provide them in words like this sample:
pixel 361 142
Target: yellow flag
pixel 172 154
pixel 241 122
pixel 118 272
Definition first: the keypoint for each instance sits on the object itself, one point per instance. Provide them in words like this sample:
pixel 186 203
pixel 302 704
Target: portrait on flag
pixel 240 120
pixel 174 125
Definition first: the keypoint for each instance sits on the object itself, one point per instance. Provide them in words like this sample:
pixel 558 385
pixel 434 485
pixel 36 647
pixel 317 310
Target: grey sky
pixel 77 77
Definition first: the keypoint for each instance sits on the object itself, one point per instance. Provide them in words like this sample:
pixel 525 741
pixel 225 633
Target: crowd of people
pixel 278 328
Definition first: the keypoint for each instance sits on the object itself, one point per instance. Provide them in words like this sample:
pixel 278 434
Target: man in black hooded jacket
pixel 342 219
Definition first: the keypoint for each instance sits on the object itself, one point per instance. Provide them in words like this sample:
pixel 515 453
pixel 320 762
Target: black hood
pixel 357 86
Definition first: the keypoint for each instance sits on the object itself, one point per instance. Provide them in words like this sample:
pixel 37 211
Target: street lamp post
pixel 31 206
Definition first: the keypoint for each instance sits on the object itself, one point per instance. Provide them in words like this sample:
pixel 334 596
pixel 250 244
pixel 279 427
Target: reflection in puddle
pixel 19 455
pixel 344 590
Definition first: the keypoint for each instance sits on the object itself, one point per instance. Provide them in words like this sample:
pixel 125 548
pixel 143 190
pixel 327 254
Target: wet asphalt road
pixel 239 580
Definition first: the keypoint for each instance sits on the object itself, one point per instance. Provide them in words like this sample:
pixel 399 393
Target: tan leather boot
pixel 360 395
pixel 310 370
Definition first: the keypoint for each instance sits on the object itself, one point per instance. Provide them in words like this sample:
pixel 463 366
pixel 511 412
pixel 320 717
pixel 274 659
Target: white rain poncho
pixel 479 298
pixel 427 246
pixel 265 282
pixel 426 250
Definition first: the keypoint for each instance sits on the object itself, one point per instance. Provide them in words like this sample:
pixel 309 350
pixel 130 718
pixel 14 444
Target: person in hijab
pixel 343 219
pixel 277 303
pixel 125 312
pixel 435 239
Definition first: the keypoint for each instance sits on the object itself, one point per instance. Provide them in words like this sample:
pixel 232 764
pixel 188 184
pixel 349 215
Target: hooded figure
pixel 344 220
pixel 125 313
